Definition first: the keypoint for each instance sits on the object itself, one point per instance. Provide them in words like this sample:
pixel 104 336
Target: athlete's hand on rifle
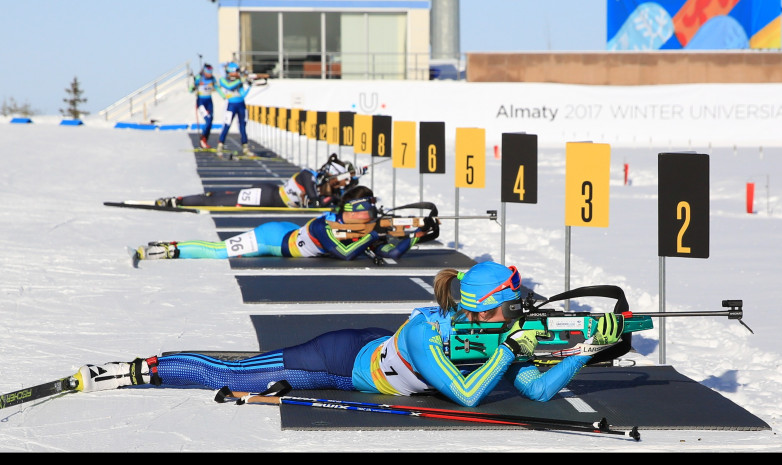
pixel 522 342
pixel 429 231
pixel 609 330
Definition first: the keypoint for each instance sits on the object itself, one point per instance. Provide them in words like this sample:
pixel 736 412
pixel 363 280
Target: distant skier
pixel 203 85
pixel 232 88
pixel 305 189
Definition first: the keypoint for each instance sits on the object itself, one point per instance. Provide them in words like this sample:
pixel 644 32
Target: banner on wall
pixel 693 25
pixel 677 116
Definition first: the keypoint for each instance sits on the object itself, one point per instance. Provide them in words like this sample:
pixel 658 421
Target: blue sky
pixel 116 46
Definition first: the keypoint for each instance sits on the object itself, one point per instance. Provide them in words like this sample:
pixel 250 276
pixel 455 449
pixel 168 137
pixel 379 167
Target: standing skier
pixel 232 88
pixel 203 85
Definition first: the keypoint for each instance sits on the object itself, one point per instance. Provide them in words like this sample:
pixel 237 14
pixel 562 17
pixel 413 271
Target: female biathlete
pixel 346 233
pixel 411 360
pixel 306 189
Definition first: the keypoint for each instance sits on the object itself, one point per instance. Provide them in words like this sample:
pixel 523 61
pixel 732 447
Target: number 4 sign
pixel 683 205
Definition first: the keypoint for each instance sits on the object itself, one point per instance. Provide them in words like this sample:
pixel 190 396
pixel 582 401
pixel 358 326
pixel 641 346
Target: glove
pixel 429 231
pixel 609 330
pixel 522 342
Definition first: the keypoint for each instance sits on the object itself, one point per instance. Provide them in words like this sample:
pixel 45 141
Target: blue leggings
pixel 268 236
pixel 325 362
pixel 239 110
pixel 209 107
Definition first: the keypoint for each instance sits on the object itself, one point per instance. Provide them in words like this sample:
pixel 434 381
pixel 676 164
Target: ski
pixel 202 209
pixel 150 205
pixel 60 386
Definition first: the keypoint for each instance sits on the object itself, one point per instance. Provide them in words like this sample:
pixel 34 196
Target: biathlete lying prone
pixel 345 233
pixel 409 361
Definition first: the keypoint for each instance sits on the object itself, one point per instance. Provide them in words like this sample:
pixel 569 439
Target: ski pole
pixel 600 427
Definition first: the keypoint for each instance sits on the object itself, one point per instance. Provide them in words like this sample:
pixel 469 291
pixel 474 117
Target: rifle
pixel 475 342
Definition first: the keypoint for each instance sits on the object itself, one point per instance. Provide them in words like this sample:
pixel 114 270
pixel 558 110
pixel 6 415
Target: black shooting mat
pixel 657 397
pixel 246 222
pixel 266 289
pixel 418 257
pixel 334 289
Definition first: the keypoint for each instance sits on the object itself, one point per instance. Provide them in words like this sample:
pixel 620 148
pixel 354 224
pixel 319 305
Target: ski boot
pixel 204 143
pixel 169 202
pixel 117 374
pixel 157 251
pixel 246 150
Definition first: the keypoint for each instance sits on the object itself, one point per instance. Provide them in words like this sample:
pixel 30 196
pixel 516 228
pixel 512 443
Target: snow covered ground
pixel 70 296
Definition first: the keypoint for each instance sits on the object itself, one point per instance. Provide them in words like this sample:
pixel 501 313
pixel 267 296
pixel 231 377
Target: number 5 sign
pixel 586 184
pixel 683 205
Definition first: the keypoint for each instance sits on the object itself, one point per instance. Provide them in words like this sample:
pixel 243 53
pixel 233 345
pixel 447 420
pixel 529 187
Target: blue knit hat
pixel 482 286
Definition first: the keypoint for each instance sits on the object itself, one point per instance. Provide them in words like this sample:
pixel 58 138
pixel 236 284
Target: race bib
pixel 249 196
pixel 202 112
pixel 229 116
pixel 305 245
pixel 294 193
pixel 242 244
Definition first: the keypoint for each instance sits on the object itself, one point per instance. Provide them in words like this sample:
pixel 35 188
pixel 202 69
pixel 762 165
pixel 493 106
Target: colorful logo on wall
pixel 693 25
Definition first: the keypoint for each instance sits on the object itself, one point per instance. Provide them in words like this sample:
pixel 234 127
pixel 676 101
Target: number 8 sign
pixel 683 205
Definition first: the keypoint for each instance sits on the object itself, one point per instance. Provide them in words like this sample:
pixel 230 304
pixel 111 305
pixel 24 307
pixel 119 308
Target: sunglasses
pixel 513 282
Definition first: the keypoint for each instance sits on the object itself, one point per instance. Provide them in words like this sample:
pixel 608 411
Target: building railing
pixel 137 101
pixel 340 65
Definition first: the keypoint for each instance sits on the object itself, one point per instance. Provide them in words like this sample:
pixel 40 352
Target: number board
pixel 403 155
pixel 470 158
pixel 431 152
pixel 319 125
pixel 282 118
pixel 262 115
pixel 587 172
pixel 346 127
pixel 271 116
pixel 683 205
pixel 519 170
pixel 303 122
pixel 381 136
pixel 362 125
pixel 293 120
pixel 332 127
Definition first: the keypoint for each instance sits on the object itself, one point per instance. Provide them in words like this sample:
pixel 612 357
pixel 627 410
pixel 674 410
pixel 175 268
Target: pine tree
pixel 10 107
pixel 73 100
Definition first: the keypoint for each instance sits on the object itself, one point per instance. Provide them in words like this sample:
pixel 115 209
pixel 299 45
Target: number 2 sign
pixel 683 205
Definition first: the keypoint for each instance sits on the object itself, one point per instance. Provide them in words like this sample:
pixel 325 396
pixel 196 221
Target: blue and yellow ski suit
pixel 203 87
pixel 410 361
pixel 285 239
pixel 234 91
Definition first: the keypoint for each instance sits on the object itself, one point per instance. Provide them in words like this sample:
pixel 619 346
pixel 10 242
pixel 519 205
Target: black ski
pixel 60 386
pixel 151 207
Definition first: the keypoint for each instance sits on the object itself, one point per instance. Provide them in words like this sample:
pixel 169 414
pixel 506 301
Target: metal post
pixel 456 222
pixel 662 310
pixel 567 264
pixel 502 233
